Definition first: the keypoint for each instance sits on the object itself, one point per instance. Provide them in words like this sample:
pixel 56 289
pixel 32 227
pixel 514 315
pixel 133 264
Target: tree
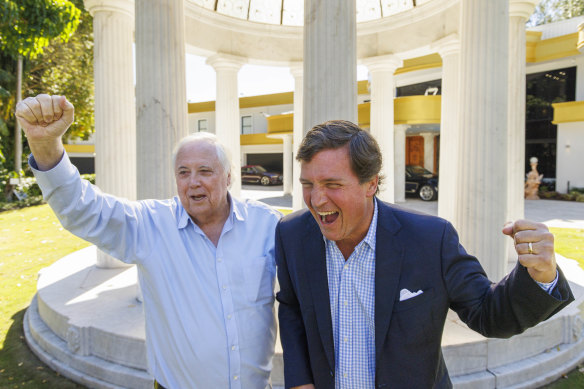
pixel 38 32
pixel 67 69
pixel 548 11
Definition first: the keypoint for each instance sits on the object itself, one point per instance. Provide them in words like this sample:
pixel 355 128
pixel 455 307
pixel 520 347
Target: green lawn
pixel 32 238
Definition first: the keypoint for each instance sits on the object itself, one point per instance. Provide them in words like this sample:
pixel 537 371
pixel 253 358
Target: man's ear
pixel 372 186
pixel 228 179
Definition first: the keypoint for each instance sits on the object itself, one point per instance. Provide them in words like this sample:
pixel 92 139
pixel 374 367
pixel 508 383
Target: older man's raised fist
pixel 44 120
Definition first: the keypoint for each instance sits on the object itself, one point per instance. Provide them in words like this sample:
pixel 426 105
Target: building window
pixel 246 127
pixel 202 125
pixel 541 136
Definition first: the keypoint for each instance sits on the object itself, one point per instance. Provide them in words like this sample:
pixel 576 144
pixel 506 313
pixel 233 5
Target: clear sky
pixel 253 79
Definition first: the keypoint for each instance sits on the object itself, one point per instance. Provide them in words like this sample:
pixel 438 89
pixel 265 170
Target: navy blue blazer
pixel 416 252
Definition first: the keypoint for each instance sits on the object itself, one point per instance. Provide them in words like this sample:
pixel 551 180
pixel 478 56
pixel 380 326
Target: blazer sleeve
pixel 500 309
pixel 297 369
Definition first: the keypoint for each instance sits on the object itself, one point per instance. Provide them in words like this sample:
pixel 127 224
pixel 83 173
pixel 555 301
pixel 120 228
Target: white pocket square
pixel 405 294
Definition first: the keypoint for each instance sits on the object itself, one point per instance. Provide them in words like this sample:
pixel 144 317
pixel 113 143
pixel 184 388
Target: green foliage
pixel 549 11
pixel 28 26
pixel 67 69
pixel 63 67
pixel 27 191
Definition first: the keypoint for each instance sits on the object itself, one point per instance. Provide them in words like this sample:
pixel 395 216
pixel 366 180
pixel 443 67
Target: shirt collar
pixel 236 211
pixel 372 232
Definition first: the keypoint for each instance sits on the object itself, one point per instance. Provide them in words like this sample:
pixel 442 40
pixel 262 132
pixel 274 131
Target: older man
pixel 365 286
pixel 205 259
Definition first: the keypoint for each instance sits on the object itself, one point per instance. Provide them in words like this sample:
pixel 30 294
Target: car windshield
pixel 260 169
pixel 418 170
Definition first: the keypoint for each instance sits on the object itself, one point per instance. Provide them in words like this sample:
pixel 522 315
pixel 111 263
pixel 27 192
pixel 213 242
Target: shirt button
pixel 345 375
pixel 224 287
pixel 346 339
pixel 229 316
pixel 235 377
pixel 346 302
pixel 233 347
pixel 219 259
pixel 346 266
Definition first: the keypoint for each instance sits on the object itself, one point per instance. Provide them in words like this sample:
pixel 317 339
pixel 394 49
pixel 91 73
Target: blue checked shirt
pixel 352 298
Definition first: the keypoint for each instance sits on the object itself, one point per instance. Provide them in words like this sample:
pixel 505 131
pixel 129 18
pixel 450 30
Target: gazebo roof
pixel 270 31
pixel 291 12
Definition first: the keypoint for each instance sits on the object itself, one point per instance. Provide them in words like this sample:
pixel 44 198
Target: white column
pixel 519 12
pixel 115 111
pixel 330 61
pixel 580 75
pixel 580 64
pixel 161 102
pixel 450 134
pixel 428 150
pixel 382 69
pixel 297 71
pixel 287 164
pixel 400 162
pixel 227 118
pixel 484 34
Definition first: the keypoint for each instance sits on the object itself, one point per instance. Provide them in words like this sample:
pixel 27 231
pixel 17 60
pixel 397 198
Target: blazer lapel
pixel 315 260
pixel 389 253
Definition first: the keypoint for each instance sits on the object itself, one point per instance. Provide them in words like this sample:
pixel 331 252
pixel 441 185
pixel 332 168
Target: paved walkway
pixel 554 213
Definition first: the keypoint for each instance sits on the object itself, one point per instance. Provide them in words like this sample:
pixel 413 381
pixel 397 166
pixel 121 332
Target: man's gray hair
pixel 222 153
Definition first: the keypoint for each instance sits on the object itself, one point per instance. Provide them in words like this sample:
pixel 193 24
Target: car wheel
pixel 427 193
pixel 265 180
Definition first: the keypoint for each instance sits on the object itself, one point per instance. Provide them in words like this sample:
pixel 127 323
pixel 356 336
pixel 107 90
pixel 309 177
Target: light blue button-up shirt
pixel 352 300
pixel 209 310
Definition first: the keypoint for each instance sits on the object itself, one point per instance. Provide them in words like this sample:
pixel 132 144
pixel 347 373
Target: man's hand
pixel 44 120
pixel 534 244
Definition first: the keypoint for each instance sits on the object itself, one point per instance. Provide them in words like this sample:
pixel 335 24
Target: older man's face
pixel 201 182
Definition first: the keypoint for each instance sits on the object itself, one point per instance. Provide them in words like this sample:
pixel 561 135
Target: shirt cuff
pixel 549 286
pixel 50 179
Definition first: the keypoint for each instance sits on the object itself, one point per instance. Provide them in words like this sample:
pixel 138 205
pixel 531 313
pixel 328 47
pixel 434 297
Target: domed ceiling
pixel 291 12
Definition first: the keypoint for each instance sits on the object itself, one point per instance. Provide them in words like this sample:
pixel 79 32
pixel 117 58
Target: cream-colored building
pixel 550 49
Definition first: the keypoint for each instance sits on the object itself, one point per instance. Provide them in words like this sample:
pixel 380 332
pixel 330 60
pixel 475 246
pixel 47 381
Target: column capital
pixel 522 8
pixel 581 37
pixel 297 69
pixel 387 62
pixel 427 134
pixel 446 46
pixel 121 6
pixel 401 128
pixel 221 61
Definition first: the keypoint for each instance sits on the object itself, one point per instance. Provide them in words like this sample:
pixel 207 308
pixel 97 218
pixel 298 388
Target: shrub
pixel 26 193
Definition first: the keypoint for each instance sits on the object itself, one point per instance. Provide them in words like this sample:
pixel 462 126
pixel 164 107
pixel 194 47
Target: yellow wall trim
pixel 247 102
pixel 571 111
pixel 88 149
pixel 280 123
pixel 580 45
pixel 420 63
pixel 417 109
pixel 263 100
pixel 257 139
pixel 556 48
pixel 364 115
pixel 531 39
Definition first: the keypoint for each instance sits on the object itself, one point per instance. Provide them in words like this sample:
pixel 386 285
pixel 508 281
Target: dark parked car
pixel 255 174
pixel 421 182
